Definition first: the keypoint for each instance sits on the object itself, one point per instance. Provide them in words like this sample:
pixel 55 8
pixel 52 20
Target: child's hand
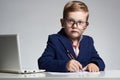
pixel 74 66
pixel 91 67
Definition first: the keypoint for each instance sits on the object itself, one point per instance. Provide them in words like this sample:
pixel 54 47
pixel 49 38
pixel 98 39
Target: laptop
pixel 10 55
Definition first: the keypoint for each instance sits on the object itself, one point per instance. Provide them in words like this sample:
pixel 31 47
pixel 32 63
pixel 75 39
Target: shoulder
pixel 59 35
pixel 87 38
pixel 54 38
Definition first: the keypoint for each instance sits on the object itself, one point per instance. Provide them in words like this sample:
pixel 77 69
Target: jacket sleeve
pixel 48 59
pixel 96 58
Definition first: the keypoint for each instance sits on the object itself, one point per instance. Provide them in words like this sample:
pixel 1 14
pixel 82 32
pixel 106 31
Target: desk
pixel 103 75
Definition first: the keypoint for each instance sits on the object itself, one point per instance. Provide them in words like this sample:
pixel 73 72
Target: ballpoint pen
pixel 69 55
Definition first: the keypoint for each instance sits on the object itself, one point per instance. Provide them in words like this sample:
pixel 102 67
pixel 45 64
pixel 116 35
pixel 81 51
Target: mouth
pixel 74 31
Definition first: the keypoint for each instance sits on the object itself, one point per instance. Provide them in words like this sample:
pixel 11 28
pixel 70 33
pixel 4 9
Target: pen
pixel 69 55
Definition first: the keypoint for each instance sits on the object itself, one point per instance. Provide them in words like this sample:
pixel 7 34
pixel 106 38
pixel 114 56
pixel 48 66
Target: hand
pixel 91 67
pixel 74 66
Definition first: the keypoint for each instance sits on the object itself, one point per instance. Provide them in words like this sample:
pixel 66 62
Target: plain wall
pixel 34 20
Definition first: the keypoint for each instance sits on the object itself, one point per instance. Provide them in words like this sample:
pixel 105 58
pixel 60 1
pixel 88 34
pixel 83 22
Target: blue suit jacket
pixel 55 55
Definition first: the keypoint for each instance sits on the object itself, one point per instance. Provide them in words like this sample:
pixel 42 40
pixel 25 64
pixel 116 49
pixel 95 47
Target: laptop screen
pixel 9 52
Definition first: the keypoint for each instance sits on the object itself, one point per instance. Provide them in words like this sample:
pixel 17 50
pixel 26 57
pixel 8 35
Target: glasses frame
pixel 78 23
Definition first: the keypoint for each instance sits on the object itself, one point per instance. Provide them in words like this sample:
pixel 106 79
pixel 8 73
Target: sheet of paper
pixel 68 73
pixel 73 73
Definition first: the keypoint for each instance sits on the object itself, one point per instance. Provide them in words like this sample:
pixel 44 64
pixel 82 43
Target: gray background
pixel 34 20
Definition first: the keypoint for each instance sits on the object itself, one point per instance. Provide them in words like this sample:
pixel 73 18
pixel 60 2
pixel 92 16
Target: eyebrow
pixel 74 19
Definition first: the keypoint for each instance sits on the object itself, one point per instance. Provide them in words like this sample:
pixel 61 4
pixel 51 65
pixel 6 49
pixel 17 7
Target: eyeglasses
pixel 78 23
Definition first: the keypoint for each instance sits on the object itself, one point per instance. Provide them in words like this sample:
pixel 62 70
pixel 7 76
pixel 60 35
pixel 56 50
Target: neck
pixel 75 41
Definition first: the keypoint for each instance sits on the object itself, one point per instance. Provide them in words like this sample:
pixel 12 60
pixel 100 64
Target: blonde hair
pixel 74 6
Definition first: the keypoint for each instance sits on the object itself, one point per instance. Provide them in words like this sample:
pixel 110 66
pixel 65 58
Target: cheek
pixel 67 27
pixel 68 30
pixel 81 31
pixel 82 28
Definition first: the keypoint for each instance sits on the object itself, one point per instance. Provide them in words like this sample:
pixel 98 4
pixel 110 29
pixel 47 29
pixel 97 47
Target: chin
pixel 75 36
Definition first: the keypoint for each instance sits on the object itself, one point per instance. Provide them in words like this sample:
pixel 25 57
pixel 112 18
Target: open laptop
pixel 10 55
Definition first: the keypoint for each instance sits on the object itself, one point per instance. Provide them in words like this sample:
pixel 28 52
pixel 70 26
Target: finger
pixel 79 66
pixel 72 69
pixel 94 69
pixel 72 66
pixel 76 66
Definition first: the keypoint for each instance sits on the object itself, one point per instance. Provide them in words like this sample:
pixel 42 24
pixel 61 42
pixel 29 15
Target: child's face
pixel 75 24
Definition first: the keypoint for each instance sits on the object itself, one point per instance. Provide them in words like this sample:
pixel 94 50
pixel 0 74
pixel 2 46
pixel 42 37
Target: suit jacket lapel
pixel 67 44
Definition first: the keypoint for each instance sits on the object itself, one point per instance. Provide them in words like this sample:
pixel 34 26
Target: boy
pixel 69 50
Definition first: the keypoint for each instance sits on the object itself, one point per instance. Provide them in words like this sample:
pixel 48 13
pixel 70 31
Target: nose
pixel 74 25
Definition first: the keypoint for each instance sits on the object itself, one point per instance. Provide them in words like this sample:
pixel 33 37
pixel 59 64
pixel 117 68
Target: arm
pixel 49 61
pixel 96 59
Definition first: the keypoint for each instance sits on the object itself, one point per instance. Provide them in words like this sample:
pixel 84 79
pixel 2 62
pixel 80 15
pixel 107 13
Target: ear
pixel 86 25
pixel 62 22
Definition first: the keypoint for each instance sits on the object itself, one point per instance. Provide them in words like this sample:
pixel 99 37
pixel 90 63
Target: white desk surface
pixel 103 75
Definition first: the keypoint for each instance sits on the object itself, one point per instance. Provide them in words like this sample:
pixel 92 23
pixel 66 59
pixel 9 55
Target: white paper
pixel 68 73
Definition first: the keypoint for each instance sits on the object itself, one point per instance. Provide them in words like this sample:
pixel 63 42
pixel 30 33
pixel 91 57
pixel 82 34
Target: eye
pixel 79 22
pixel 70 21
